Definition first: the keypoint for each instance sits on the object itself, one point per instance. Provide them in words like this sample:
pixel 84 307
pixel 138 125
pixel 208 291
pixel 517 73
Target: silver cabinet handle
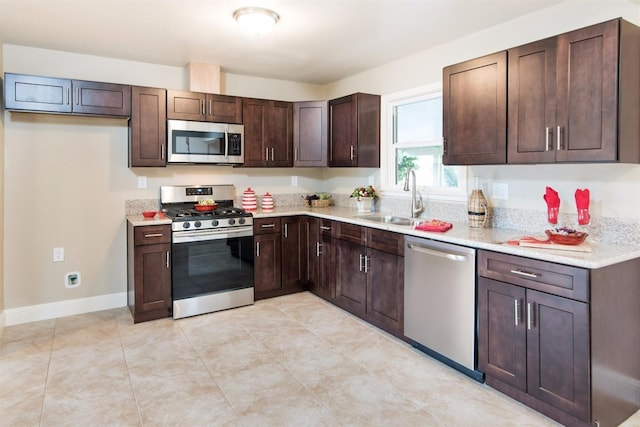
pixel 210 107
pixel 516 311
pixel 529 316
pixel 353 155
pixel 366 264
pixel 202 107
pixel 450 256
pixel 147 236
pixel 322 227
pixel 272 157
pixel 547 142
pixel 266 154
pixel 318 247
pixel 268 225
pixel 525 274
pixel 559 137
pixel 295 153
pixel 162 151
pixel 167 259
pixel 77 96
pixel 361 262
pixel 286 231
pixel 68 95
pixel 257 248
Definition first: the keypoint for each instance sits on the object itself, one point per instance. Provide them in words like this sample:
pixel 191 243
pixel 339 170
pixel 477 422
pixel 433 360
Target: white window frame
pixel 387 161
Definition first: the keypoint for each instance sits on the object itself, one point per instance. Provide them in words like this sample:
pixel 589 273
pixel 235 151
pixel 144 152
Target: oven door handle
pixel 203 235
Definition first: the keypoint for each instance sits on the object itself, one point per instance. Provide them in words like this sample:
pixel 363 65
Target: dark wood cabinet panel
pixel 54 95
pixel 310 133
pixel 267 225
pixel 350 232
pixel 321 258
pixel 149 272
pixel 532 102
pixel 354 131
pixel 351 279
pixel 223 108
pixel 148 127
pixel 385 289
pixel 184 105
pixel 475 111
pixel 254 118
pixel 294 243
pixel 267 262
pixel 268 133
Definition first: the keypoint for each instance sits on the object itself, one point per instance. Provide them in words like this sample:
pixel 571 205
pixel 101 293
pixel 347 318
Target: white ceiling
pixel 316 41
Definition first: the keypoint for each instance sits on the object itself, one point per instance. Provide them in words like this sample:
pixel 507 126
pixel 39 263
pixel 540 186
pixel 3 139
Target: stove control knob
pixel 197 224
pixel 241 221
pixel 185 225
pixel 215 222
pixel 232 221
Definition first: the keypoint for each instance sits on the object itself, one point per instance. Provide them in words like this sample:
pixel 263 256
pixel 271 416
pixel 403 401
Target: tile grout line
pixel 124 357
pixel 46 378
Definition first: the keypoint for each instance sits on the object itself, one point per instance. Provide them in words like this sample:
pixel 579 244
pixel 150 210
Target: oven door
pixel 207 262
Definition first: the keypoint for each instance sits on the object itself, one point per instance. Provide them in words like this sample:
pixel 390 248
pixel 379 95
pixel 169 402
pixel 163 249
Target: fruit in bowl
pixel 205 205
pixel 566 236
pixel 149 214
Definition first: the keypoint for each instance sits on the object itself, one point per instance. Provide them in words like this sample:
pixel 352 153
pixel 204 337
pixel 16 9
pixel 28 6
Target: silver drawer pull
pixel 268 225
pixel 148 236
pixel 525 274
pixel 322 227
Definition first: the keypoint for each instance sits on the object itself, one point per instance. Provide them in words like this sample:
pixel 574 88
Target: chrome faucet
pixel 416 205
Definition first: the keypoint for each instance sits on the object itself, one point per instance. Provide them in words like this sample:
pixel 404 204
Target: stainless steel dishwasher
pixel 440 302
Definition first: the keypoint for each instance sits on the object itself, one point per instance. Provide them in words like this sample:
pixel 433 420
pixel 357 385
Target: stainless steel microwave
pixel 205 142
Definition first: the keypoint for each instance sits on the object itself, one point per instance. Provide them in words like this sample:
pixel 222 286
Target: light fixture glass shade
pixel 256 20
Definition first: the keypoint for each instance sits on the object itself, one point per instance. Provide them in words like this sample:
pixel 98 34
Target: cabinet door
pixel 106 99
pixel 148 127
pixel 310 133
pixel 267 262
pixel 588 93
pixel 34 93
pixel 343 131
pixel 224 109
pixel 327 276
pixel 279 141
pixel 351 278
pixel 532 103
pixel 385 288
pixel 475 111
pixel 368 130
pixel 152 277
pixel 254 117
pixel 182 105
pixel 502 347
pixel 313 253
pixel 293 251
pixel 558 353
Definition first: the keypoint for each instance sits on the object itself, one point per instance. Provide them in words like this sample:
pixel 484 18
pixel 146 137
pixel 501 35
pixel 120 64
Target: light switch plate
pixel 500 191
pixel 294 181
pixel 58 254
pixel 142 182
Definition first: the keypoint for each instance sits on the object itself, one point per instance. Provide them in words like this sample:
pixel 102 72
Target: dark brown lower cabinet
pixel 563 340
pixel 320 258
pixel 149 272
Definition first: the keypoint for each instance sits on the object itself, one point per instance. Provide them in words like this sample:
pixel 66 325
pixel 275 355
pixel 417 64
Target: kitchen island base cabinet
pixel 149 272
pixel 563 340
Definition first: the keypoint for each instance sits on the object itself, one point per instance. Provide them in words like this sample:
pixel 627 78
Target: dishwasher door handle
pixel 447 255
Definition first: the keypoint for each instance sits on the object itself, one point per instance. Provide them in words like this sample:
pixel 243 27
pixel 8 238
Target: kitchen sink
pixel 390 219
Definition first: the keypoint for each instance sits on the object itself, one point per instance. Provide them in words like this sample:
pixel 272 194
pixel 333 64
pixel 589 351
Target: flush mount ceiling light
pixel 256 20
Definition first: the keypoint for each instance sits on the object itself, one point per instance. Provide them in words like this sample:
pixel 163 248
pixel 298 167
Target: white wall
pixel 68 178
pixel 612 186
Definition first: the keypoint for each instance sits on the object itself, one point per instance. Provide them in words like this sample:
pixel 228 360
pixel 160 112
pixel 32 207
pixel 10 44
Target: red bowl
pixel 149 214
pixel 573 238
pixel 205 208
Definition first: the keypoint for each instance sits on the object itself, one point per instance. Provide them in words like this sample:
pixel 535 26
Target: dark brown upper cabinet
pixel 354 131
pixel 475 111
pixel 310 133
pixel 148 127
pixel 55 95
pixel 574 97
pixel 268 133
pixel 183 105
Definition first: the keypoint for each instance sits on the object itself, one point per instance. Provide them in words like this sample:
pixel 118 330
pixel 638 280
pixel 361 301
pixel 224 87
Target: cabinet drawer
pixel 386 241
pixel 557 279
pixel 266 225
pixel 151 234
pixel 350 232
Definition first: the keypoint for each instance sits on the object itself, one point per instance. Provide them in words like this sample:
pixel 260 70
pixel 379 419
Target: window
pixel 412 126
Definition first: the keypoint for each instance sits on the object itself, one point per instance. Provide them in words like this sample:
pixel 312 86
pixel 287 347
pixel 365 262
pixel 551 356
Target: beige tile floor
pixel 293 360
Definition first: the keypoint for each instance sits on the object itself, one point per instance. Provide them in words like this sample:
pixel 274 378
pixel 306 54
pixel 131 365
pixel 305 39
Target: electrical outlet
pixel 294 181
pixel 58 254
pixel 142 182
pixel 500 191
pixel 371 179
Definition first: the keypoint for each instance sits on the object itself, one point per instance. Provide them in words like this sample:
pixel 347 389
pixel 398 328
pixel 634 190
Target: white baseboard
pixel 3 321
pixel 33 313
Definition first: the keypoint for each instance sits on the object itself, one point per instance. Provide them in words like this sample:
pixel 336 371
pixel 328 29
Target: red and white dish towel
pixel 434 225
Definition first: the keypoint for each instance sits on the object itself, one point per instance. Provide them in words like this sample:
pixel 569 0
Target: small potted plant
pixel 364 197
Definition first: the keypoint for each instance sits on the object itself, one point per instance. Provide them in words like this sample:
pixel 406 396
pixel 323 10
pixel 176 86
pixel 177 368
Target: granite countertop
pixel 493 239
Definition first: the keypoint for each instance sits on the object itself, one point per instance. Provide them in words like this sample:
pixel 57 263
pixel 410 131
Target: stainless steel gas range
pixel 212 250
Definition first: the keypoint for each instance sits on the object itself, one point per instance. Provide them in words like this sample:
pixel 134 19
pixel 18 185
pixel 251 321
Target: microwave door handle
pixel 226 145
